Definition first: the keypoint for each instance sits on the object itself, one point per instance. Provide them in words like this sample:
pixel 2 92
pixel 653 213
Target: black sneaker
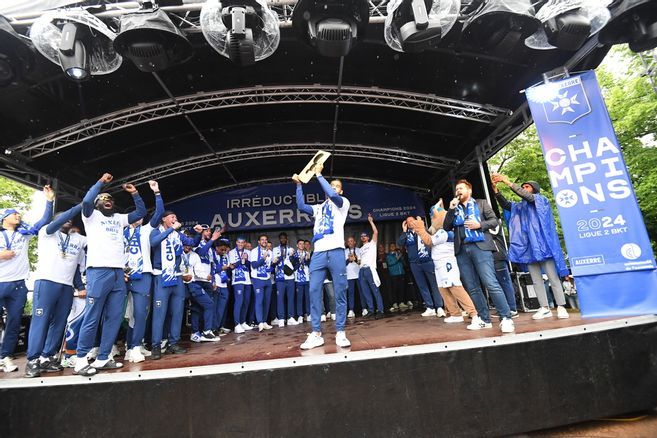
pixel 176 349
pixel 156 352
pixel 50 366
pixel 32 368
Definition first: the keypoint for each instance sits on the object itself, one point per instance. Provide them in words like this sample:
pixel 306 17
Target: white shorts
pixel 447 272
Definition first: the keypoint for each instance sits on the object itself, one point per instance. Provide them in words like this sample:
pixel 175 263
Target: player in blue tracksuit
pixel 301 259
pixel 261 266
pixel 14 267
pixel 328 238
pixel 238 258
pixel 106 289
pixel 205 251
pixel 168 290
pixel 221 273
pixel 60 254
pixel 284 283
pixel 140 275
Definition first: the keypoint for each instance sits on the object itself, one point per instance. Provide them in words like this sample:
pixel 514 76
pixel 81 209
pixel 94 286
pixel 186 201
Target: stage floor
pixel 366 335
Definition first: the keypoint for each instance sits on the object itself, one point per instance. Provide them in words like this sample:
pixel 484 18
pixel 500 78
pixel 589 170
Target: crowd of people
pixel 148 272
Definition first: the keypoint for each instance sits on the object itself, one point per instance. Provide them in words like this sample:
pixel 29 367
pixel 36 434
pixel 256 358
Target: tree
pixel 18 196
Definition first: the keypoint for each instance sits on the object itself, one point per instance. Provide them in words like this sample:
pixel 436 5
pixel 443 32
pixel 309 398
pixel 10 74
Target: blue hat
pixel 7 212
pixel 365 233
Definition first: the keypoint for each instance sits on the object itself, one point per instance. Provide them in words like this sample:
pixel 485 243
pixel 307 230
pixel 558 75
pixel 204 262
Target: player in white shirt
pixel 140 275
pixel 261 267
pixel 352 256
pixel 328 238
pixel 106 289
pixel 14 267
pixel 238 258
pixel 368 277
pixel 60 254
pixel 285 305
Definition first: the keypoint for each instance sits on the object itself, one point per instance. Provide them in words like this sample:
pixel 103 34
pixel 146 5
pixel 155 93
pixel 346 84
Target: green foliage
pixel 18 196
pixel 632 105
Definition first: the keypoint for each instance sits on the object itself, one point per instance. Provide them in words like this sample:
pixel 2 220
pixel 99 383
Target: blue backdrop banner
pixel 601 221
pixel 274 205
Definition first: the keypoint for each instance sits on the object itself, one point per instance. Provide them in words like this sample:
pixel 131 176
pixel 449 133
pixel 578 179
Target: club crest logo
pixel 90 301
pixel 569 104
pixel 566 198
pixel 158 303
pixel 38 312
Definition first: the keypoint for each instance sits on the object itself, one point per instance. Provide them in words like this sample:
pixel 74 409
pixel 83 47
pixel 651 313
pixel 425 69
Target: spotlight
pixel 568 24
pixel 499 25
pixel 77 41
pixel 245 31
pixel 16 55
pixel 331 26
pixel 150 40
pixel 416 25
pixel 634 22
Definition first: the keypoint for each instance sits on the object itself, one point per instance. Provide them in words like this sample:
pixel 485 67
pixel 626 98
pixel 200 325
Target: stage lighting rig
pixel 77 41
pixel 16 55
pixel 331 26
pixel 416 25
pixel 634 22
pixel 567 24
pixel 151 41
pixel 245 31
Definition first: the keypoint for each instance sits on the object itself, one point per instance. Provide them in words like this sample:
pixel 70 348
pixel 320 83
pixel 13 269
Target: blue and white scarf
pixel 240 267
pixel 325 224
pixel 135 262
pixel 301 273
pixel 223 276
pixel 169 250
pixel 280 273
pixel 469 212
pixel 263 270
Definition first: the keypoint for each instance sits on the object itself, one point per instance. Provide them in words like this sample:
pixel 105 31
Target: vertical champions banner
pixel 608 246
pixel 274 205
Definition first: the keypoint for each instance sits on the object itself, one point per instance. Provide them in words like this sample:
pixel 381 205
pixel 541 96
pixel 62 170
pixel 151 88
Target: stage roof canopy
pixel 413 120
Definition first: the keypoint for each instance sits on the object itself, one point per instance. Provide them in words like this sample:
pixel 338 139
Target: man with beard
pixel 140 275
pixel 14 267
pixel 168 286
pixel 106 289
pixel 60 253
pixel 261 261
pixel 284 283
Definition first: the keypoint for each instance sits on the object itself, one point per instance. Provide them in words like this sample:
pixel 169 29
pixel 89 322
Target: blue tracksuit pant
pixel 167 300
pixel 285 294
pixel 425 279
pixel 303 298
pixel 333 262
pixel 51 305
pixel 370 289
pixel 13 295
pixel 140 291
pixel 202 305
pixel 220 306
pixel 262 292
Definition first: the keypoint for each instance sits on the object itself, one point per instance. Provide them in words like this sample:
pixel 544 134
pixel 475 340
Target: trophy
pixel 309 171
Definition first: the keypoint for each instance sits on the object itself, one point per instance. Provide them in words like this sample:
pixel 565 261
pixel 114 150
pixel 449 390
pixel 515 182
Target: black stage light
pixel 499 25
pixel 16 55
pixel 634 22
pixel 151 41
pixel 568 24
pixel 73 53
pixel 245 31
pixel 331 26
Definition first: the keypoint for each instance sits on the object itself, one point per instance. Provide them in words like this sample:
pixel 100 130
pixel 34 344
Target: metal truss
pixel 649 62
pixel 288 150
pixel 420 190
pixel 258 95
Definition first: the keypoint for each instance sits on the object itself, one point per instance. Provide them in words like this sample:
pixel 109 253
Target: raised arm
pixel 301 204
pixel 88 201
pixel 375 231
pixel 159 204
pixel 157 236
pixel 140 210
pixel 328 190
pixel 62 219
pixel 47 214
pixel 421 231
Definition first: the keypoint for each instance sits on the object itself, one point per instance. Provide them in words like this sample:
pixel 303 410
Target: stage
pixel 404 375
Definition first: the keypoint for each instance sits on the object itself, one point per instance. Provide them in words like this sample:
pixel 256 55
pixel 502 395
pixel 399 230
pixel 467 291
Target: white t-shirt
pixel 352 268
pixel 240 273
pixel 105 248
pixel 334 219
pixel 368 254
pixel 262 272
pixel 283 253
pixel 17 267
pixel 441 248
pixel 145 242
pixel 51 265
pixel 200 270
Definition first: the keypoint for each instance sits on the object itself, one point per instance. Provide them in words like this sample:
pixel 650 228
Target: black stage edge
pixel 503 385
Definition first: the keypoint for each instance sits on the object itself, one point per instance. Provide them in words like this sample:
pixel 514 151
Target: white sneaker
pixel 281 323
pixel 507 325
pixel 238 329
pixel 322 318
pixel 562 313
pixel 403 306
pixel 114 352
pixel 351 314
pixel 275 321
pixel 135 355
pixel 225 330
pixel 409 304
pixel 333 316
pixel 307 318
pixel 126 358
pixel 261 326
pixel 245 326
pixel 163 345
pixel 144 351
pixel 313 340
pixel 208 336
pixel 195 337
pixel 8 365
pixel 542 313
pixel 440 312
pixel 266 326
pixel 341 340
pixel 93 353
pixel 300 320
pixel 292 321
pixel 365 312
pixel 429 312
pixel 453 319
pixel 393 309
pixel 478 324
pixel 68 362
